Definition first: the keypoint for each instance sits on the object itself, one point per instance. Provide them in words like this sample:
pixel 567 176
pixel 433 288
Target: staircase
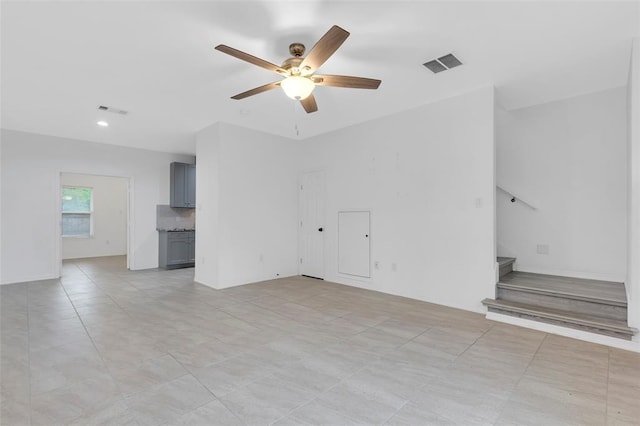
pixel 588 305
pixel 506 265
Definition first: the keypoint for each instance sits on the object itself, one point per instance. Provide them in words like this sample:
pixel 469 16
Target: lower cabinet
pixel 177 249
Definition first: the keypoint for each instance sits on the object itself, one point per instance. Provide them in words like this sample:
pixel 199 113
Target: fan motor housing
pixel 293 65
pixel 296 49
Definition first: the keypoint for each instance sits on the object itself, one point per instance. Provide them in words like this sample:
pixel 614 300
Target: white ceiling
pixel 60 60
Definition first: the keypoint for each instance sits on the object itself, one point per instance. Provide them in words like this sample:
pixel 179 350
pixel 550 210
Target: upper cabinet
pixel 183 185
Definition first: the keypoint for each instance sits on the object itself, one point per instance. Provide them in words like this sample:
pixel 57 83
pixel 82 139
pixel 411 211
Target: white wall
pixel 31 167
pixel 427 175
pixel 109 217
pixel 570 157
pixel 1 203
pixel 246 206
pixel 207 205
pixel 633 190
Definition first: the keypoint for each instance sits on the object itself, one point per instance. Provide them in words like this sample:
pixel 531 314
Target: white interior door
pixel 312 192
pixel 354 250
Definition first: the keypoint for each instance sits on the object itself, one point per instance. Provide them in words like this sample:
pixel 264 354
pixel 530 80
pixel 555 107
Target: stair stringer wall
pixel 568 155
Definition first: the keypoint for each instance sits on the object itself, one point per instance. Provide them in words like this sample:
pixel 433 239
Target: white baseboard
pixel 368 284
pixel 30 278
pixel 350 280
pixel 198 281
pixel 567 332
pixel 568 273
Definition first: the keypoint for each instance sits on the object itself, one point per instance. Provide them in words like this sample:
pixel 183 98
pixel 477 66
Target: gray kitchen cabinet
pixel 177 249
pixel 191 185
pixel 183 185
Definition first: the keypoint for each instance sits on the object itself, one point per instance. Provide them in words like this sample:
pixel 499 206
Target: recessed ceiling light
pixel 102 123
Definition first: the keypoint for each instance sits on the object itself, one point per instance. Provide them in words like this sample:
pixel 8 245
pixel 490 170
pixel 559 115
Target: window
pixel 77 209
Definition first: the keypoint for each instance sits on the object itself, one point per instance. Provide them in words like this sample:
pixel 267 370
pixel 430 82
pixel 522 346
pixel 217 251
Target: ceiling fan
pixel 299 80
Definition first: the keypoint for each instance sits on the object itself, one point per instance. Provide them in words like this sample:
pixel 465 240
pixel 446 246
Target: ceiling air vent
pixel 113 110
pixel 443 63
pixel 435 66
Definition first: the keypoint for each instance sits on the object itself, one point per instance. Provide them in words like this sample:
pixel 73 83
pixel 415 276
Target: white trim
pixel 633 185
pixel 130 223
pixel 298 224
pixel 58 228
pixel 567 332
pixel 567 273
pixel 356 281
pixel 25 279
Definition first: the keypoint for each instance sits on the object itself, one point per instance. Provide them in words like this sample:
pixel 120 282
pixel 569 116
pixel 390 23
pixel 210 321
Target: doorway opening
pixel 94 220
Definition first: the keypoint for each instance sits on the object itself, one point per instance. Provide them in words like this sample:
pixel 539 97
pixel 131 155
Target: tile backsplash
pixel 168 219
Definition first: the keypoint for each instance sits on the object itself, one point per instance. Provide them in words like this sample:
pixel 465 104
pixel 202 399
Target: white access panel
pixel 354 248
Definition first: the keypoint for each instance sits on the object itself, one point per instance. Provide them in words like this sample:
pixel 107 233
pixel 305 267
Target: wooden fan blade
pixel 324 48
pixel 250 58
pixel 257 90
pixel 346 81
pixel 309 104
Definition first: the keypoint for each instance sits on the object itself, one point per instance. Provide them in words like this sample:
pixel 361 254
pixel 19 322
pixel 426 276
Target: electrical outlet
pixel 542 249
pixel 394 267
pixel 376 265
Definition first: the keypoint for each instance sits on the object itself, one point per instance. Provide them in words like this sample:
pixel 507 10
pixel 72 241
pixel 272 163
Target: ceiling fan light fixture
pixel 297 87
pixel 299 70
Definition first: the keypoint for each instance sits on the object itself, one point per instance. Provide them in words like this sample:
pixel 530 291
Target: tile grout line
pixel 368 328
pixel 474 342
pixel 406 402
pixel 219 398
pixel 340 381
pixel 606 402
pixel 106 366
pixel 528 365
pixel 231 411
pixel 29 354
pixel 215 397
pixel 459 355
pixel 521 376
pixel 106 293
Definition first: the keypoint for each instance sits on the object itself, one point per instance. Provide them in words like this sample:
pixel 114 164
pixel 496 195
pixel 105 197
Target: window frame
pixel 89 213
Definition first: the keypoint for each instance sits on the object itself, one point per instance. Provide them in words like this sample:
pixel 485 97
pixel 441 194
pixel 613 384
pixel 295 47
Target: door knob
pixel 319 229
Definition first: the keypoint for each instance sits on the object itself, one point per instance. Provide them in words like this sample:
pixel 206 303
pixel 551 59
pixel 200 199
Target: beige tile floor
pixel 104 345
